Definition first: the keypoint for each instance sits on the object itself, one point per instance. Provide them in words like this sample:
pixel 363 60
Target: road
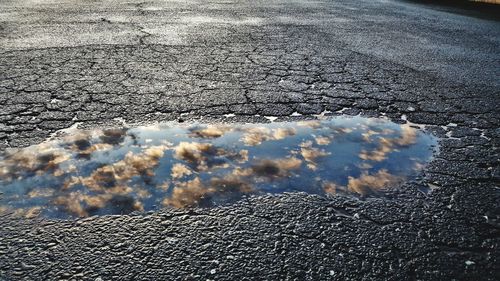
pixel 101 63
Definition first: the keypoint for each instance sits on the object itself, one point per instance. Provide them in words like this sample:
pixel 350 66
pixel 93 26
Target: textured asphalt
pixel 102 63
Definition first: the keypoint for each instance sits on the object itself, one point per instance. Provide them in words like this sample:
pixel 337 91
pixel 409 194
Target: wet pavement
pixel 119 171
pixel 100 67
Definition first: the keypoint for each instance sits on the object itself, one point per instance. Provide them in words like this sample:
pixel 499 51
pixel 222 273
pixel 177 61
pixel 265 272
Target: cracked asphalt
pixel 102 63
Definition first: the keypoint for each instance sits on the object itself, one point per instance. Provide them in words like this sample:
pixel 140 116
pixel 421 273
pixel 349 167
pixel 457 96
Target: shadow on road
pixel 481 10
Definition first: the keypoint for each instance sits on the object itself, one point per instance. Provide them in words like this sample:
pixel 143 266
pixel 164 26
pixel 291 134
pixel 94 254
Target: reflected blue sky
pixel 118 171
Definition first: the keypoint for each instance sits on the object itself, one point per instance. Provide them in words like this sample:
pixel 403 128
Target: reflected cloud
pixel 257 135
pixel 408 136
pixel 72 203
pixel 282 133
pixel 205 156
pixel 368 134
pixel 367 183
pixel 322 140
pixel 86 153
pixel 314 124
pixel 273 169
pixel 33 212
pixel 41 192
pixel 41 160
pixel 365 166
pixel 113 136
pixel 187 194
pixel 120 172
pixel 194 152
pixel 333 188
pixel 193 192
pixel 180 170
pixel 210 132
pixel 311 153
pixel 82 205
pixel 387 145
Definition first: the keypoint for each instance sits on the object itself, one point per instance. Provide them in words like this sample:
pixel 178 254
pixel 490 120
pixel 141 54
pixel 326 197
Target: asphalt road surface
pixel 102 63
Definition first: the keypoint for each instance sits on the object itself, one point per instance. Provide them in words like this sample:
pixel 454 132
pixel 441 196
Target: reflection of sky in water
pixel 123 170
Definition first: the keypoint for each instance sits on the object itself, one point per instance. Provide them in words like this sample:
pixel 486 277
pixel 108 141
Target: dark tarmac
pixel 95 64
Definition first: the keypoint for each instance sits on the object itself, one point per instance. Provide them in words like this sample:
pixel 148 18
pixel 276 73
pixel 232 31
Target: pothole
pixel 122 170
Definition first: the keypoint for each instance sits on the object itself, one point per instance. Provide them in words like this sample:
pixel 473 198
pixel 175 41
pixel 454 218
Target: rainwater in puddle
pixel 118 171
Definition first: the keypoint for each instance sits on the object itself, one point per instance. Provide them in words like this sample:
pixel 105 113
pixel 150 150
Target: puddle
pixel 118 171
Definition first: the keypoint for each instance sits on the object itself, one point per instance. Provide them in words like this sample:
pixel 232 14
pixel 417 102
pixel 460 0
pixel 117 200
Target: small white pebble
pixel 469 262
pixel 271 118
pixel 213 271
